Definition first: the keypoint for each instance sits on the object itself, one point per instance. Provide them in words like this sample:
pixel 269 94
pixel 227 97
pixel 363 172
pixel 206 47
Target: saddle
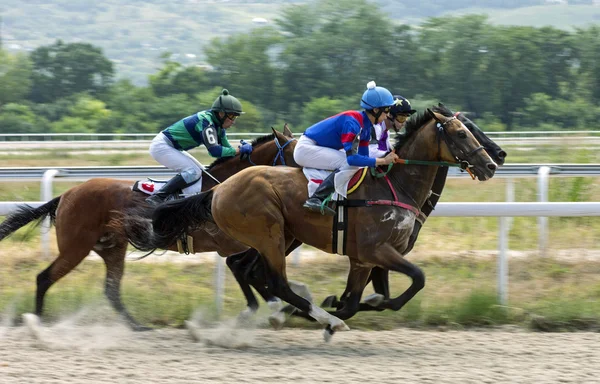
pixel 148 186
pixel 185 244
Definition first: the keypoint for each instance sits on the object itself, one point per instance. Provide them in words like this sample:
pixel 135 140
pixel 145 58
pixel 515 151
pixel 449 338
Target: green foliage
pixel 61 70
pixel 85 116
pixel 20 118
pixel 312 63
pixel 15 77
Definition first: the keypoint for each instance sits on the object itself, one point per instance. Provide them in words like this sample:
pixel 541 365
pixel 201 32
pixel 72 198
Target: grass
pixel 457 255
pixel 545 294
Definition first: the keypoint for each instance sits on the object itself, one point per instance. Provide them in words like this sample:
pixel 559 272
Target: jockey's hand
pixel 390 158
pixel 245 148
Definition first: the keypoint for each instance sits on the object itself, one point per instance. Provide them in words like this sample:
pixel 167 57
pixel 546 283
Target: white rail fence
pixel 541 209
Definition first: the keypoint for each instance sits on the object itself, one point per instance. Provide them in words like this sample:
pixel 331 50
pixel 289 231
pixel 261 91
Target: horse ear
pixel 433 115
pixel 441 105
pixel 286 131
pixel 280 136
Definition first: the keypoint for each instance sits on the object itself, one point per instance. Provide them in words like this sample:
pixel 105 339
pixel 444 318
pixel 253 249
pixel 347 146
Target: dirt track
pixel 113 354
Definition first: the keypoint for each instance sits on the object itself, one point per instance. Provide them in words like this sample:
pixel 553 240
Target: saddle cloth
pixel 148 186
pixel 316 176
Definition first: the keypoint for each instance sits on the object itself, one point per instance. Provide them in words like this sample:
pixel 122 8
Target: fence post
pixel 46 195
pixel 503 260
pixel 543 175
pixel 219 283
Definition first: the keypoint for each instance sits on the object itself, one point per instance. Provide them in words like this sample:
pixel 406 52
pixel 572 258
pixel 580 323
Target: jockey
pixel 321 144
pixel 203 128
pixel 380 138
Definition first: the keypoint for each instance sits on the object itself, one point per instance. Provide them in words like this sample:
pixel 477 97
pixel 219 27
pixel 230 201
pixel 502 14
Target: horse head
pixel 272 149
pixel 456 144
pixel 496 153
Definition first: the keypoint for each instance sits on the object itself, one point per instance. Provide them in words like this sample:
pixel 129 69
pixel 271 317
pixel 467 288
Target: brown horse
pixel 249 269
pixel 85 218
pixel 262 208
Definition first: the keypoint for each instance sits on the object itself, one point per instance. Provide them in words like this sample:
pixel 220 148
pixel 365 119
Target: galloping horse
pixel 262 208
pixel 85 218
pixel 249 269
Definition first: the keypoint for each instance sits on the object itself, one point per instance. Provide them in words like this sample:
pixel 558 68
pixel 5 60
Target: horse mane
pixel 256 142
pixel 443 110
pixel 412 125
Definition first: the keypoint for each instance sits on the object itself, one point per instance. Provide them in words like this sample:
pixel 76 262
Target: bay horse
pixel 85 217
pixel 262 208
pixel 249 269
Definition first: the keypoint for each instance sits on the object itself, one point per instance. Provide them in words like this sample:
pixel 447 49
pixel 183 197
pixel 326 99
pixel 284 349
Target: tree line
pixel 315 63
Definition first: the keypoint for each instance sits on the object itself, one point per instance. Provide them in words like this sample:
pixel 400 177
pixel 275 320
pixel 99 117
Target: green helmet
pixel 227 103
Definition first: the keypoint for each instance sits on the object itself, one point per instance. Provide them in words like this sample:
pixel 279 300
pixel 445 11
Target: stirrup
pixel 155 200
pixel 322 208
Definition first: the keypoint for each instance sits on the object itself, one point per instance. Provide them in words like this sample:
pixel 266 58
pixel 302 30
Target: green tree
pixel 86 115
pixel 20 118
pixel 61 70
pixel 174 78
pixel 242 63
pixel 320 108
pixel 15 77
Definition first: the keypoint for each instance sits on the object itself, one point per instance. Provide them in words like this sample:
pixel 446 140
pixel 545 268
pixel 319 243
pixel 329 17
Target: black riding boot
pixel 326 188
pixel 172 186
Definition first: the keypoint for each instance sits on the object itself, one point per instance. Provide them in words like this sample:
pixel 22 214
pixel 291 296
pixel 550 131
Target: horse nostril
pixel 502 154
pixel 492 166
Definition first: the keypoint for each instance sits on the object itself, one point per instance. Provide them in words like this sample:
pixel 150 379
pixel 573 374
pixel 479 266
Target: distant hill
pixel 135 33
pixel 565 17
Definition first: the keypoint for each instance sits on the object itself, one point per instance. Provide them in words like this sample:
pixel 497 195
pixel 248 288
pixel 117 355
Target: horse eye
pixel 462 134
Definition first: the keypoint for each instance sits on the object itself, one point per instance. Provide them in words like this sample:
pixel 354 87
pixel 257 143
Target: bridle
pixel 462 157
pixel 279 156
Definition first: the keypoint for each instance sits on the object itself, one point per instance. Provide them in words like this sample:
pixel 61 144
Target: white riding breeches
pixel 308 154
pixel 162 150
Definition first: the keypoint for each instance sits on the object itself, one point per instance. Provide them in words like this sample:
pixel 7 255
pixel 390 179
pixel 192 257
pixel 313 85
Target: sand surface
pixel 111 353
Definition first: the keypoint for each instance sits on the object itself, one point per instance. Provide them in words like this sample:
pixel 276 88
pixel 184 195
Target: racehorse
pixel 262 208
pixel 249 269
pixel 86 216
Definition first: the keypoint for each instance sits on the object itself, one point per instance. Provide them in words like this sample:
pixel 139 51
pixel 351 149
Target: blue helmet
pixel 376 97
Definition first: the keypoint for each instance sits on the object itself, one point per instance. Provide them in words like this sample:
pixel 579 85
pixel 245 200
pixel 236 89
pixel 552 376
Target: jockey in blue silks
pixel 380 143
pixel 321 145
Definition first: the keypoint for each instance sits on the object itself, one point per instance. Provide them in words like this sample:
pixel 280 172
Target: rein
pixel 464 165
pixel 279 156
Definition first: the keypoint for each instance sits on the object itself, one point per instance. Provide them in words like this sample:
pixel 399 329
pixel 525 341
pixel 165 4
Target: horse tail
pixel 173 219
pixel 26 214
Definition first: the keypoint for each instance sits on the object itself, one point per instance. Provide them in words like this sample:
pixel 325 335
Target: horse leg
pixel 358 278
pixel 248 268
pixel 393 260
pixel 114 260
pixel 60 267
pixel 278 283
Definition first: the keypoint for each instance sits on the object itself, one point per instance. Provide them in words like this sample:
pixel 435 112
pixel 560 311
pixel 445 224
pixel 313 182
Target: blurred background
pixel 86 83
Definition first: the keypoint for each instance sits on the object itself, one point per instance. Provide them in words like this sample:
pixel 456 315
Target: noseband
pixel 460 155
pixel 279 156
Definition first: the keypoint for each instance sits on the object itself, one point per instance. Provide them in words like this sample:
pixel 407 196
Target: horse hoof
pixel 328 334
pixel 275 305
pixel 34 324
pixel 330 302
pixel 374 300
pixel 245 317
pixel 339 325
pixel 140 328
pixel 193 330
pixel 277 320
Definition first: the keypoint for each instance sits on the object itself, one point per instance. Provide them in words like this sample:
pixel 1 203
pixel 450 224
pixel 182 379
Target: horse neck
pixel 262 154
pixel 416 180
